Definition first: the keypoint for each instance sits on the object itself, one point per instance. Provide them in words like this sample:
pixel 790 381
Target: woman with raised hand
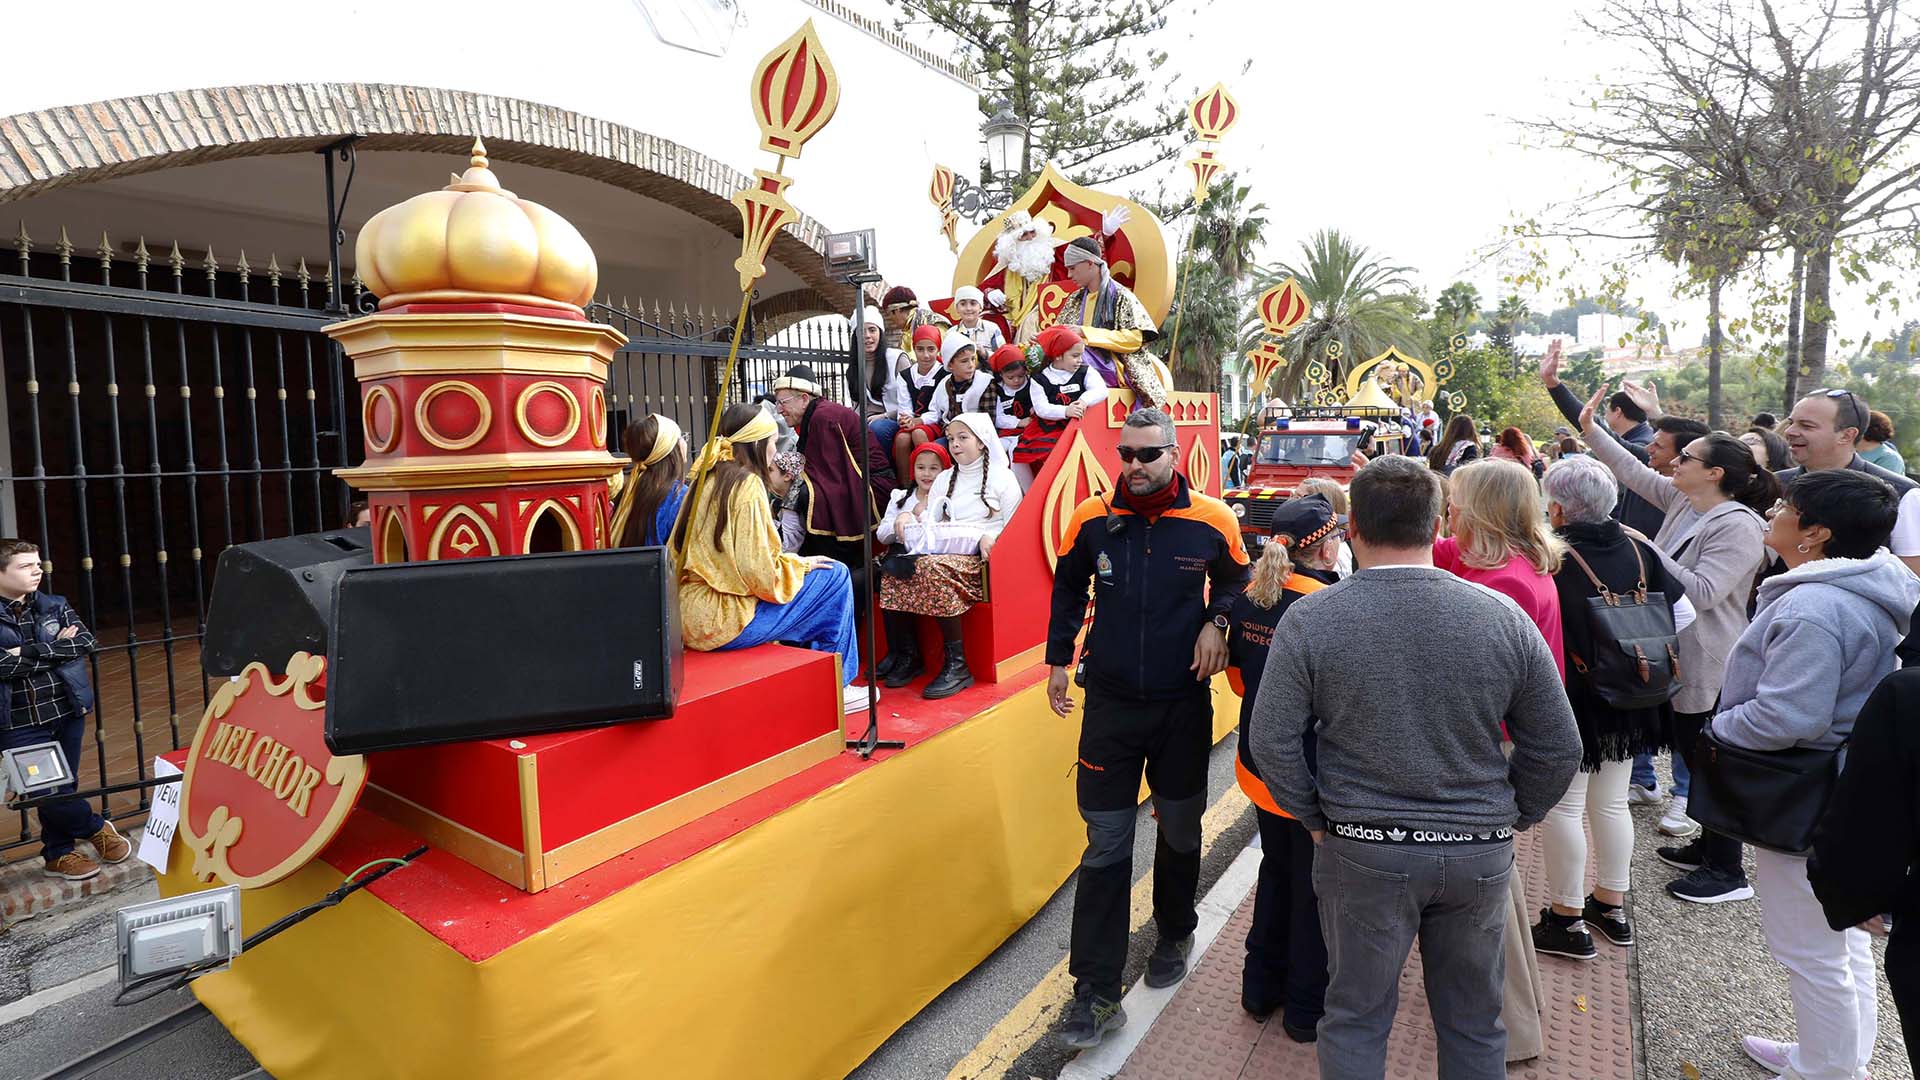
pixel 1601 555
pixel 1712 541
pixel 737 588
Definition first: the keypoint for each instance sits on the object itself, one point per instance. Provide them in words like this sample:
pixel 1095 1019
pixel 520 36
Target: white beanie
pixel 968 292
pixel 873 317
pixel 952 343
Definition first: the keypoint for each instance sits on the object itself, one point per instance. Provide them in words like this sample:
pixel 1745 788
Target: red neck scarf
pixel 1159 502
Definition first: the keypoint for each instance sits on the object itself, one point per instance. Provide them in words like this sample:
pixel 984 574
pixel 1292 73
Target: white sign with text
pixel 157 838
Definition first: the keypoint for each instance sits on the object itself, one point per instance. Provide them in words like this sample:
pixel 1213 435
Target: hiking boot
pixel 1089 1018
pixel 900 644
pixel 1610 920
pixel 1709 886
pixel 904 651
pixel 72 866
pixel 953 678
pixel 1167 964
pixel 113 847
pixel 1675 821
pixel 1563 935
pixel 1689 857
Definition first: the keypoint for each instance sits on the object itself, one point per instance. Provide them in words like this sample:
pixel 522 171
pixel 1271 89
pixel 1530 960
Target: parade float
pixel 726 891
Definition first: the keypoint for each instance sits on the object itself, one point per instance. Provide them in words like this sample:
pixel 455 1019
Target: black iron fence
pixel 158 408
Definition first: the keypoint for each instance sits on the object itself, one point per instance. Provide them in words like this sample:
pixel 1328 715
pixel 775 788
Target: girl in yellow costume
pixel 737 588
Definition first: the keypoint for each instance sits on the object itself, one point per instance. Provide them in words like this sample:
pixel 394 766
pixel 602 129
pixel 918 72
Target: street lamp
pixel 1006 139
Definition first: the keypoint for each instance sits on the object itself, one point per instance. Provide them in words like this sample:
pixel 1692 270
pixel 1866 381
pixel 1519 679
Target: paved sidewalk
pixel 25 891
pixel 1205 1035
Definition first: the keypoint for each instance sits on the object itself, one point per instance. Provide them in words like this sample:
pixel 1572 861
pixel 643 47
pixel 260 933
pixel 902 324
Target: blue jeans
pixel 884 428
pixel 820 617
pixel 1375 899
pixel 1644 776
pixel 61 823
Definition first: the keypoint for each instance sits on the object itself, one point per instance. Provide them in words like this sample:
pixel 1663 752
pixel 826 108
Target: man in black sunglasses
pixel 1822 433
pixel 1158 637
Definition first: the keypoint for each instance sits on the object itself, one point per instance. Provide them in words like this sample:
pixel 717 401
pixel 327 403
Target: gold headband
pixel 720 449
pixel 665 436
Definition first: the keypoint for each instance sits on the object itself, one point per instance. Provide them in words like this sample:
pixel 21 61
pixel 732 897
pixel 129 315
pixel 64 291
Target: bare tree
pixel 1807 122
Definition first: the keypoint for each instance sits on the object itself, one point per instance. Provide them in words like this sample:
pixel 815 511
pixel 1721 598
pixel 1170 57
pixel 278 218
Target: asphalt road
pixel 70 952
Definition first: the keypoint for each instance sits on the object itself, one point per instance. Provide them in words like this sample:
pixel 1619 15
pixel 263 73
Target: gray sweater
pixel 1410 672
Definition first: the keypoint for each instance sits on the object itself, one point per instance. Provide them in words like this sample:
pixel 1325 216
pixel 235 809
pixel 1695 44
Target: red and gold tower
pixel 482 382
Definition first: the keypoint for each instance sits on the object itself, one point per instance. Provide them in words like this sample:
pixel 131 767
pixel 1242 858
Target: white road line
pixel 1145 1004
pixel 54 995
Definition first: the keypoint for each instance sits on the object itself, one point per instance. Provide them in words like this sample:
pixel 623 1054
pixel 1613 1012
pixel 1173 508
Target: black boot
pixel 953 678
pixel 903 641
pixel 899 641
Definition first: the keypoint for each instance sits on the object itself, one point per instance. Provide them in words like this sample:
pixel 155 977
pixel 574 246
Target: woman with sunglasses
pixel 1712 542
pixel 1822 638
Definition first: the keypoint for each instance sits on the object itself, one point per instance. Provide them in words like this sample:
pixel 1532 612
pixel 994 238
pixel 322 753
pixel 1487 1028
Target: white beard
pixel 1032 260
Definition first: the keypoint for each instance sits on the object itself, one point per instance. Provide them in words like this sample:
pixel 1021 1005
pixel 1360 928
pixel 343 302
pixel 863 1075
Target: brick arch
pixel 76 144
pixel 782 310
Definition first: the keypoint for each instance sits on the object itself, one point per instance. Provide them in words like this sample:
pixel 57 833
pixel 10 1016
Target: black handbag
pixel 897 563
pixel 1768 798
pixel 1635 659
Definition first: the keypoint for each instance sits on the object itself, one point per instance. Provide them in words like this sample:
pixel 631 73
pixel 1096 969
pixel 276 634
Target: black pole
pixel 871 741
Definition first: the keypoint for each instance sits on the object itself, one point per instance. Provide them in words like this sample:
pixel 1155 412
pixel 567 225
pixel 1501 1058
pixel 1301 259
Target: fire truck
pixel 1296 444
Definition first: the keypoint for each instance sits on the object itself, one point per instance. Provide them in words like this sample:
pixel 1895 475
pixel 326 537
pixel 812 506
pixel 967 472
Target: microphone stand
pixel 871 741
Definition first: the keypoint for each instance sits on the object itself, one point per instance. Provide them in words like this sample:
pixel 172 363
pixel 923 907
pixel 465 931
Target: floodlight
pixel 34 768
pixel 851 255
pixel 197 930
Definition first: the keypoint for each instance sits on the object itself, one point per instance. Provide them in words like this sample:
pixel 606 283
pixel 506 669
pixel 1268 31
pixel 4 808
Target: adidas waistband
pixel 1393 834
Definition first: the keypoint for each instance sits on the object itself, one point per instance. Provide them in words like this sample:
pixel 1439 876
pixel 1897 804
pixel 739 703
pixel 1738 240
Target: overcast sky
pixel 1392 120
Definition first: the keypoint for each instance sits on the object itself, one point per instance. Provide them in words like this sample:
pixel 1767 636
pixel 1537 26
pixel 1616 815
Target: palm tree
pixel 1225 234
pixel 1506 322
pixel 1458 305
pixel 1359 301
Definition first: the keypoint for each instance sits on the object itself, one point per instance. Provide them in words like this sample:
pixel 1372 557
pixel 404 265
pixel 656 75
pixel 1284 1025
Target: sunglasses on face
pixel 1145 455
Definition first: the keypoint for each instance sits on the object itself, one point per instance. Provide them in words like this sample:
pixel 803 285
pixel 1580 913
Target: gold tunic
pixel 720 587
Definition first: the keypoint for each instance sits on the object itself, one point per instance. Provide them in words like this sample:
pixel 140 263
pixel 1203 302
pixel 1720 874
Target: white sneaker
pixel 1676 822
pixel 1643 796
pixel 853 699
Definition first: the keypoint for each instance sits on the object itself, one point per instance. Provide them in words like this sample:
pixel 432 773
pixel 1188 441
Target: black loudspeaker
pixel 439 652
pixel 274 598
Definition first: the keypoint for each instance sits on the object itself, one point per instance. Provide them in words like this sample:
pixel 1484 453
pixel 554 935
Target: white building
pixel 1600 328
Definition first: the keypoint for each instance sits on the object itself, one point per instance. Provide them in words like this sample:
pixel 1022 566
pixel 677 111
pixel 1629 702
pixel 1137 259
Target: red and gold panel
pixel 380 418
pixel 452 415
pixel 546 413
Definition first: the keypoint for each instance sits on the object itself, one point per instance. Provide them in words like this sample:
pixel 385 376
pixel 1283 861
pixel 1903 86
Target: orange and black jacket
pixel 1150 591
pixel 1247 644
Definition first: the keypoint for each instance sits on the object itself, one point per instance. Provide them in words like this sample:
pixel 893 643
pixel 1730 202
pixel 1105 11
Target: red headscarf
pixel 1009 356
pixel 934 448
pixel 928 333
pixel 1056 340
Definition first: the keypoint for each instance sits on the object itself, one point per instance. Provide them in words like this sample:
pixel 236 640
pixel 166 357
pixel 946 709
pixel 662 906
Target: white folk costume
pixel 1116 327
pixel 985 336
pixel 979 497
pixel 882 371
pixel 953 397
pixel 1050 392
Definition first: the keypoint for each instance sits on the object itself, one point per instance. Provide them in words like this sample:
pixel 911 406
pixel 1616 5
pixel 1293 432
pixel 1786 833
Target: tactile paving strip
pixel 1587 1019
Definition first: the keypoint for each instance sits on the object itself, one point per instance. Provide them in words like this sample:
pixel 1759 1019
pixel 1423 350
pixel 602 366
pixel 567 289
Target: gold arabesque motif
pixel 1079 469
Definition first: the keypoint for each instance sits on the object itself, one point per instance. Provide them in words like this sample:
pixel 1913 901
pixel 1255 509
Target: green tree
pixel 1458 306
pixel 1083 75
pixel 1359 302
pixel 1504 321
pixel 1226 232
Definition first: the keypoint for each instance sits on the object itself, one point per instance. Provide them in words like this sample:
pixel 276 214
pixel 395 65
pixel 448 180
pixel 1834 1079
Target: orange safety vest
pixel 1251 785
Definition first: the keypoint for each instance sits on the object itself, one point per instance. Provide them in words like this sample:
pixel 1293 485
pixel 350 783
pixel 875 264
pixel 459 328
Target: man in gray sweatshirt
pixel 1414 803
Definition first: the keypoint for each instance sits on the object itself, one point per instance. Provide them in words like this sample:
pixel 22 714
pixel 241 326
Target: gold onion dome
pixel 475 242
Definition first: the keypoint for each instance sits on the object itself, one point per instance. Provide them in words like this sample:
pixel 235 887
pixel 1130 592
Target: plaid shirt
pixel 39 698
